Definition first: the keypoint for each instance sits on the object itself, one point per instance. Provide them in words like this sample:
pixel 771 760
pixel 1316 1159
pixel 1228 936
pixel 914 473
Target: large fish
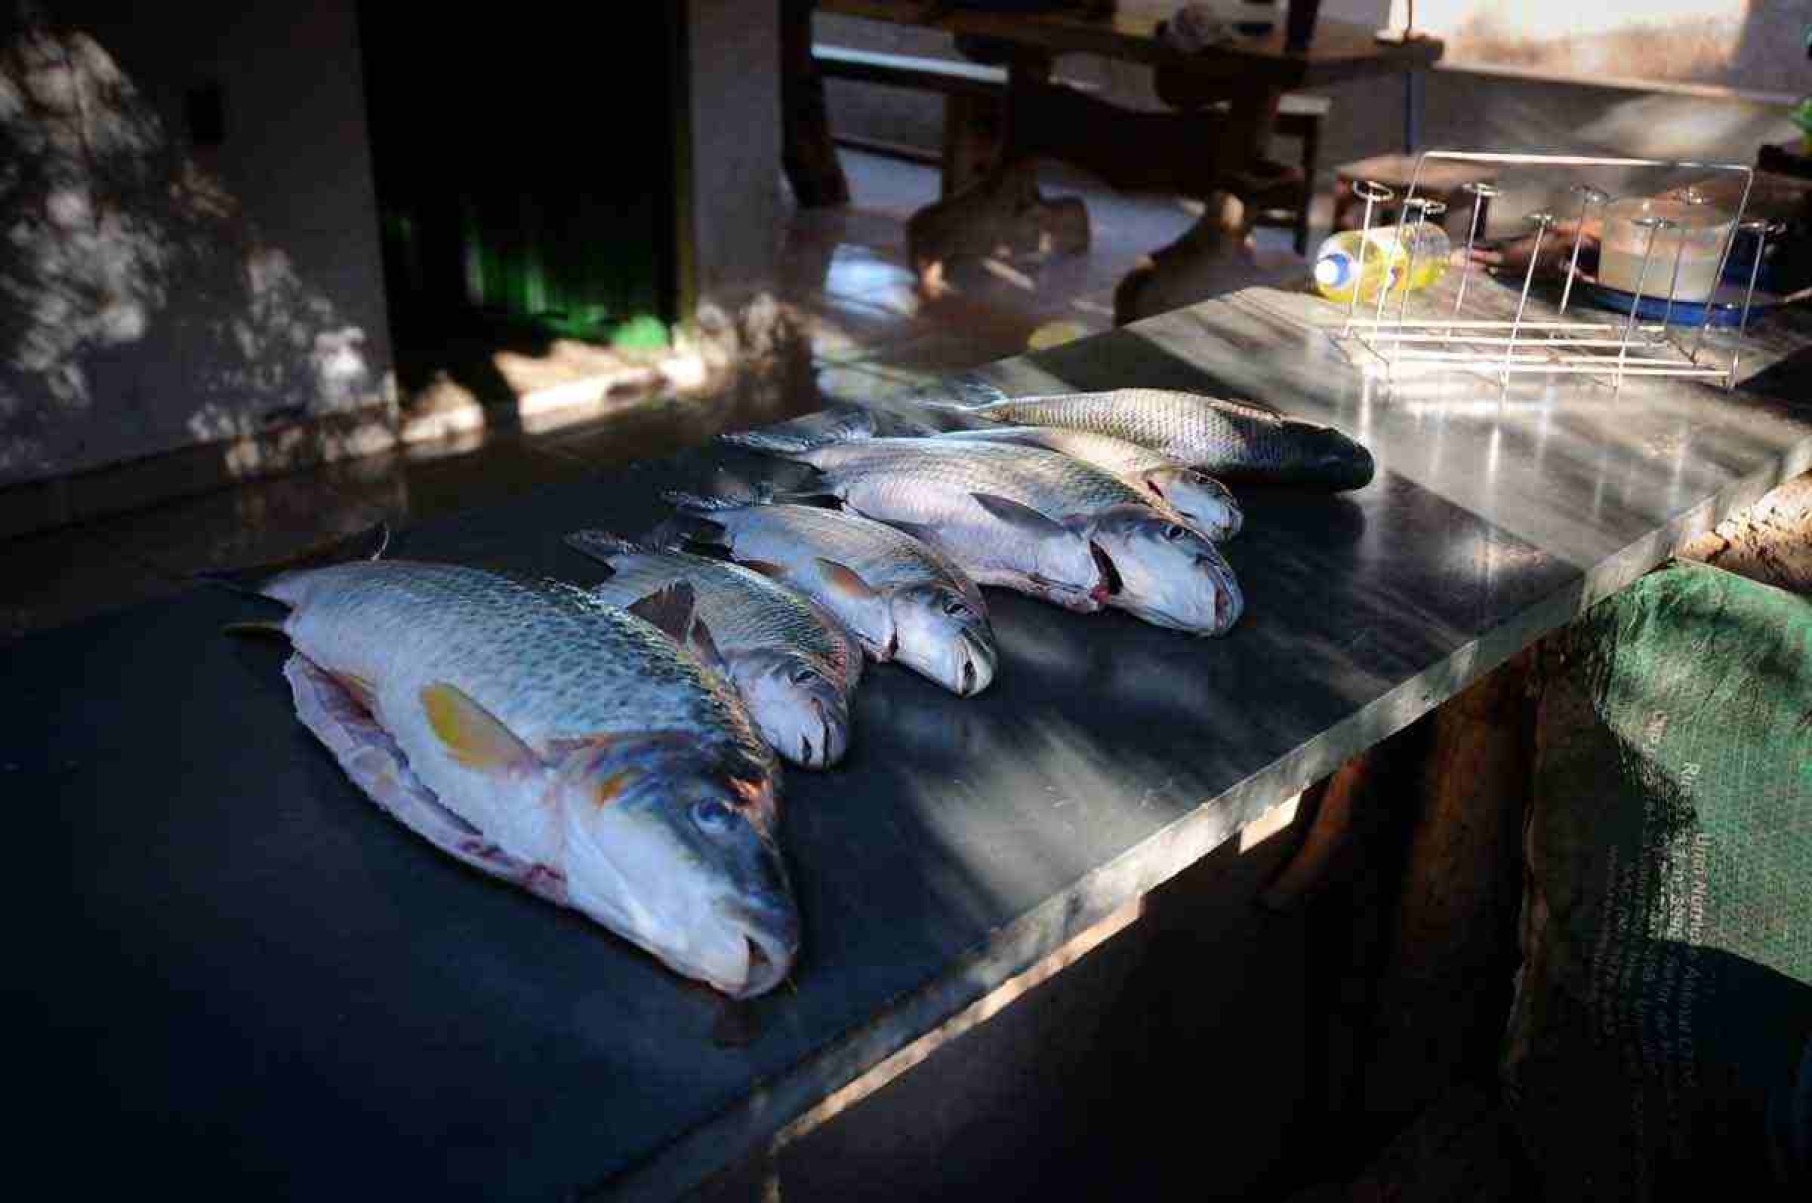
pixel 1202 501
pixel 795 666
pixel 983 503
pixel 540 735
pixel 901 598
pixel 1223 438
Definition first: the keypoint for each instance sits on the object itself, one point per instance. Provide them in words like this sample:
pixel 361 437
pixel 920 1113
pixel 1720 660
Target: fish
pixel 1199 499
pixel 1005 513
pixel 795 666
pixel 1229 440
pixel 901 598
pixel 533 732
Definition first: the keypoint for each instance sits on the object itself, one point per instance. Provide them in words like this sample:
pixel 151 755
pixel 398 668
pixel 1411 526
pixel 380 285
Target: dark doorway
pixel 526 171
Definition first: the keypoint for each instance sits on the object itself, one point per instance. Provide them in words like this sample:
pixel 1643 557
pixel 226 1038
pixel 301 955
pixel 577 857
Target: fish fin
pixel 262 626
pixel 924 532
pixel 668 608
pixel 701 644
pixel 600 545
pixel 765 568
pixel 845 580
pixel 382 532
pixel 472 735
pixel 1024 518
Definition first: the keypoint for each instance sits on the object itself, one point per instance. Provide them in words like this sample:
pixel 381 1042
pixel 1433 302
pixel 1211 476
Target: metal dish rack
pixel 1612 347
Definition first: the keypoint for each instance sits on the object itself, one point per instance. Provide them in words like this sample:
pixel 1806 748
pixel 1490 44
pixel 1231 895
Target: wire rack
pixel 1610 346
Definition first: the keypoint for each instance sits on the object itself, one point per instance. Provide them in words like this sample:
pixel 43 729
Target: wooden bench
pixel 974 98
pixel 974 101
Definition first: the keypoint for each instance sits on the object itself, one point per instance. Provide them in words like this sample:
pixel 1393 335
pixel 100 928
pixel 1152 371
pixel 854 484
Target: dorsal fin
pixel 669 608
pixel 700 643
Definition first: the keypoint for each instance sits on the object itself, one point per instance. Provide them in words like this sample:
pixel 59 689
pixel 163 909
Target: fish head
pixel 944 637
pixel 799 708
pixel 670 842
pixel 1198 497
pixel 1169 575
pixel 1333 460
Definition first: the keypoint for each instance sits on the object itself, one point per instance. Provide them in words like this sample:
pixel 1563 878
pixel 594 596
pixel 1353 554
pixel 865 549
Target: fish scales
pixel 1224 438
pixel 743 609
pixel 542 656
pixel 1051 483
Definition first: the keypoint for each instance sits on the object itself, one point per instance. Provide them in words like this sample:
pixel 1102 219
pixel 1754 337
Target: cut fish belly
pixel 368 755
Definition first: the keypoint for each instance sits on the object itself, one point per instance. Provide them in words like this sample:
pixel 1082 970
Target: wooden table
pixel 1224 100
pixel 234 972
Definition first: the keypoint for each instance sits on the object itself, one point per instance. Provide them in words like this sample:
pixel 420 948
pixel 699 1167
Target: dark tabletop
pixel 237 971
pixel 1339 50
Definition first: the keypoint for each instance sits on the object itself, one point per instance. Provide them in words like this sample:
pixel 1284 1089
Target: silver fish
pixel 900 597
pixel 540 735
pixel 795 666
pixel 1226 439
pixel 1202 501
pixel 993 506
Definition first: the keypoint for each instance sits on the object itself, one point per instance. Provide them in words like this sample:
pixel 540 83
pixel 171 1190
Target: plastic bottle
pixel 1338 269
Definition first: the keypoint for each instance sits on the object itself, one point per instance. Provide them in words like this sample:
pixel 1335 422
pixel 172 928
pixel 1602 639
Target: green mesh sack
pixel 1661 1037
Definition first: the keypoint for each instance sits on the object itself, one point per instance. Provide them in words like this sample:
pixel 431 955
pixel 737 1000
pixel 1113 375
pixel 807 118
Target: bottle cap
pixel 1331 271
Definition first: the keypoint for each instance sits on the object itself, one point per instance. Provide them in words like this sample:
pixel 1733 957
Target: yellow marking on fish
pixel 471 734
pixel 613 785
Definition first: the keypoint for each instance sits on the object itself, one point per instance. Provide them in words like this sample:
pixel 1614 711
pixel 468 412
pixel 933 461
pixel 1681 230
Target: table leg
pixel 807 154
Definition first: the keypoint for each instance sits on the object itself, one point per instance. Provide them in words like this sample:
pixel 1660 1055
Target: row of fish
pixel 614 749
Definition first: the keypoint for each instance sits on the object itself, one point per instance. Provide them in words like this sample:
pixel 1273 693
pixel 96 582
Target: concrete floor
pixel 872 333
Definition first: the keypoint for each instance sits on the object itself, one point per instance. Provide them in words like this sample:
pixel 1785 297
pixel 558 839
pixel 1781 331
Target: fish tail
pixel 963 394
pixel 683 532
pixel 601 545
pixel 739 497
pixel 775 442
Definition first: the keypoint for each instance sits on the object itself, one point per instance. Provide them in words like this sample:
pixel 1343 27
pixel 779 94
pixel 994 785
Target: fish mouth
pixel 765 971
pixel 1111 584
pixel 771 934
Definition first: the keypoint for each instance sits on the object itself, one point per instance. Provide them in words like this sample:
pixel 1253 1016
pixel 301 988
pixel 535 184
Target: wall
pixel 733 161
pixel 161 294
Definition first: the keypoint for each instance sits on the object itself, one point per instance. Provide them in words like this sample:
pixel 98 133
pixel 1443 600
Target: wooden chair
pixel 974 101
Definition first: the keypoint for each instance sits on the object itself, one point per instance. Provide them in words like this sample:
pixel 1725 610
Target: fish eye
pixel 713 816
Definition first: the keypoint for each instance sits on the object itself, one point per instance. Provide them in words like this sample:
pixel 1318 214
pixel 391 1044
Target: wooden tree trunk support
pixel 1414 861
pixel 1770 542
pixel 1440 1006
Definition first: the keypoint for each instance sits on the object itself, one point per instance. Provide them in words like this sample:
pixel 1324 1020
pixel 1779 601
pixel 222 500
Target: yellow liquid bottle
pixel 1340 269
